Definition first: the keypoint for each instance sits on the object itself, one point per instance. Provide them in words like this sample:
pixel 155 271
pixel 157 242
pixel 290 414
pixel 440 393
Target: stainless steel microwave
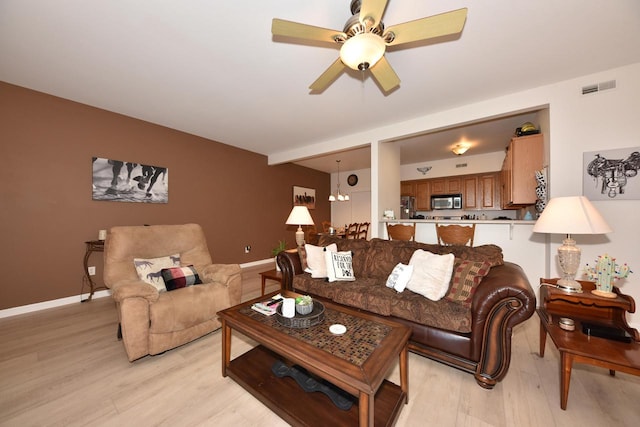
pixel 449 201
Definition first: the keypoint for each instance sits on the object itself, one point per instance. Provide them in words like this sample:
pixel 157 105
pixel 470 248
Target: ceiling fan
pixel 364 39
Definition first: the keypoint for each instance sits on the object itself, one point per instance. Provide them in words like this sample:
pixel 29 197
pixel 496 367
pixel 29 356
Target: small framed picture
pixel 304 196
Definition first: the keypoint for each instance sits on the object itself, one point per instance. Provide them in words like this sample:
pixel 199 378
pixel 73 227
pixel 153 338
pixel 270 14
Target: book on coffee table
pixel 268 308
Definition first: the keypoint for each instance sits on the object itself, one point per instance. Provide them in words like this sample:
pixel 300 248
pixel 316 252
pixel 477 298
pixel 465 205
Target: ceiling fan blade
pixel 280 27
pixel 430 27
pixel 328 76
pixel 372 9
pixel 384 75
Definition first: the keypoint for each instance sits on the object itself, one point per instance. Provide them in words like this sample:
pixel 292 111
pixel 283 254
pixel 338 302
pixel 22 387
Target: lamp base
pixel 300 236
pixel 570 286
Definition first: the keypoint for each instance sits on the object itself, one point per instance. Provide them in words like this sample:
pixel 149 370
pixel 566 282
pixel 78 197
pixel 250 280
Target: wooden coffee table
pixel 356 362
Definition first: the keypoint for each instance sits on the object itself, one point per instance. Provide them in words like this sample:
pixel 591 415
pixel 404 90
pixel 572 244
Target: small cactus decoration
pixel 604 273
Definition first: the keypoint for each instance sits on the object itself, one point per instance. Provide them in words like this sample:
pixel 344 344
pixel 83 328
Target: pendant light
pixel 338 196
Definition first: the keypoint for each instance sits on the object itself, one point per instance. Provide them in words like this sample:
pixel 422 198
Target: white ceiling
pixel 211 67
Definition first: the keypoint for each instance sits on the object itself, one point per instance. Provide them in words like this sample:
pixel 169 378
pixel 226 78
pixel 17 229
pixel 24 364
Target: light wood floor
pixel 65 367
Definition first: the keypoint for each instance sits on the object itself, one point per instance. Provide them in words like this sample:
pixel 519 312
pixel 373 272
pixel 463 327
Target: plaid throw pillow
pixel 180 277
pixel 467 275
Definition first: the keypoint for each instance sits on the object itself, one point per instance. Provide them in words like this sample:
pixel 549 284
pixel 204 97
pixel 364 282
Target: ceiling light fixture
pixel 460 149
pixel 338 196
pixel 362 51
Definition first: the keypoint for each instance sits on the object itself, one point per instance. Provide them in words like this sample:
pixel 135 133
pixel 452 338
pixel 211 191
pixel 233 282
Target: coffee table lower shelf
pixel 252 371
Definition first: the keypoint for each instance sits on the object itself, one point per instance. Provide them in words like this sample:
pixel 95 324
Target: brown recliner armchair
pixel 153 321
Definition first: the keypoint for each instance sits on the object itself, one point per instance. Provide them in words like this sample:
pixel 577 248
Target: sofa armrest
pixel 229 275
pixel 134 289
pixel 289 263
pixel 503 299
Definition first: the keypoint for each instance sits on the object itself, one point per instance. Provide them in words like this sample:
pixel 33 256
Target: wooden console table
pixel 575 346
pixel 92 246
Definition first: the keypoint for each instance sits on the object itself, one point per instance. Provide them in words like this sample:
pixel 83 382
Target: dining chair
pixel 455 234
pixel 352 231
pixel 363 230
pixel 401 231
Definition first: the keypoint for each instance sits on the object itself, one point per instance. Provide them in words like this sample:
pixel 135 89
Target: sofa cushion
pixel 431 274
pixel 466 278
pixel 489 253
pixel 399 277
pixel 304 283
pixel 150 269
pixel 366 294
pixel 443 314
pixel 315 259
pixel 180 277
pixel 359 249
pixel 339 266
pixel 384 255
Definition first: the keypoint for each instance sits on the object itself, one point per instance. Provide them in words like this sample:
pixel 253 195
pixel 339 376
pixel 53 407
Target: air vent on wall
pixel 611 84
pixel 461 165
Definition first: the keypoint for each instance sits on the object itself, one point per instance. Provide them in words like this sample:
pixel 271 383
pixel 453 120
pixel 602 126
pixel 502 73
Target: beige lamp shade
pixel 299 216
pixel 571 215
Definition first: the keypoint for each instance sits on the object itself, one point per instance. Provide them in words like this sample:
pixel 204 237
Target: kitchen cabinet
pixel 481 191
pixel 489 191
pixel 408 188
pixel 450 185
pixel 470 193
pixel 423 195
pixel 523 158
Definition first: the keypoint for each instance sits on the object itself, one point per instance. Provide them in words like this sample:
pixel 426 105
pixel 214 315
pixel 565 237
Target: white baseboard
pixel 14 311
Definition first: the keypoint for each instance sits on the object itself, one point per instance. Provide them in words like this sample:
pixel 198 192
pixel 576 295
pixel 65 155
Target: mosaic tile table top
pixel 362 337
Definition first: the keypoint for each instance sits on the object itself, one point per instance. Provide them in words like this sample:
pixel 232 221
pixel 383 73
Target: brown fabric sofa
pixel 152 322
pixel 476 339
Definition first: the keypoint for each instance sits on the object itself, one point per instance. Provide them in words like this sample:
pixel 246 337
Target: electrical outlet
pixel 91 270
pixel 247 249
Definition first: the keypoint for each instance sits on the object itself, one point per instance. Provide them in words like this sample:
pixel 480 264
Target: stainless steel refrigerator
pixel 407 207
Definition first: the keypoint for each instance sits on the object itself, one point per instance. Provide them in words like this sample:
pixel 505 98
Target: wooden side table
pixel 589 307
pixel 271 275
pixel 92 246
pixel 575 346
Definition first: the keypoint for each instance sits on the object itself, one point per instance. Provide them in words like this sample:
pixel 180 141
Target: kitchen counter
pixel 459 221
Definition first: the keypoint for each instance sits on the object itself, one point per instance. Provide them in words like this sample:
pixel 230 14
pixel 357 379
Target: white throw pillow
pixel 339 266
pixel 399 277
pixel 150 270
pixel 316 263
pixel 431 274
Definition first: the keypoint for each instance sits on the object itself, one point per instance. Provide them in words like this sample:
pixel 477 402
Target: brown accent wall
pixel 47 213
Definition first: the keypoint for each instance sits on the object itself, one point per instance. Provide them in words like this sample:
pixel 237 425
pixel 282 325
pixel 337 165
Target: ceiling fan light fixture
pixel 362 51
pixel 460 149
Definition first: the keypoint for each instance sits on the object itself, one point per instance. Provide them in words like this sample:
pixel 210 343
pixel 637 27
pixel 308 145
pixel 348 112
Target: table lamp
pixel 570 215
pixel 299 216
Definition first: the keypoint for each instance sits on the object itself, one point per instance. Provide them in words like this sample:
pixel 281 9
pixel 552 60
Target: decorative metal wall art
pixel 612 174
